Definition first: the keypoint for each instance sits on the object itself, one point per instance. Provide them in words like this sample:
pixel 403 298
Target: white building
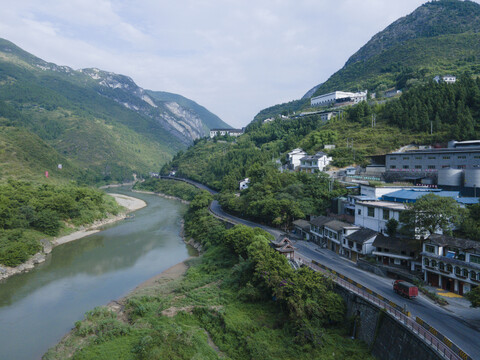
pixel 244 184
pixel 294 157
pixel 334 232
pixel 317 162
pixel 223 132
pixel 331 98
pixel 374 215
pixel 449 79
pixel 450 263
pixel 358 244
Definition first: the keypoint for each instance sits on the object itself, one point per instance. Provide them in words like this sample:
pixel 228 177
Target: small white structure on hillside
pixel 449 79
pixel 244 184
pixel 294 157
pixel 223 132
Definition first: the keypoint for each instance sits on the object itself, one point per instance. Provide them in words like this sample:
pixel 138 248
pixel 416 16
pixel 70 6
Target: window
pixel 433 263
pixel 430 249
pixel 371 212
pixel 418 166
pixel 464 272
pixel 359 211
pixel 449 268
pixel 473 275
pixel 393 158
pixel 445 166
pixel 418 158
pixel 441 266
pixel 446 158
pixel 406 166
pixel 431 166
pixel 474 259
pixel 461 157
pixel 476 156
pixel 406 158
pixel 432 158
pixel 462 166
pixel 386 214
pixel 426 262
pixel 393 167
pixel 457 271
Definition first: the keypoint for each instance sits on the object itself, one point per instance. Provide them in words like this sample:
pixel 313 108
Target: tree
pixel 474 297
pixel 392 226
pixel 430 214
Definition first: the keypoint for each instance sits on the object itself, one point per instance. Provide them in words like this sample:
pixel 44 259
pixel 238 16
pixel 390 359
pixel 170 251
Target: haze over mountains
pixel 439 37
pixel 101 125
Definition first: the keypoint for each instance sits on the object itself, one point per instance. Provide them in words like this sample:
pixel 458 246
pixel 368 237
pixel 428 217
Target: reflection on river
pixel 39 307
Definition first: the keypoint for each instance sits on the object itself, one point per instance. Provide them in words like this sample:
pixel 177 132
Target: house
pixel 317 228
pixel 223 132
pixel 397 252
pixel 244 184
pixel 374 215
pixel 449 79
pixel 451 263
pixel 349 171
pixel 334 232
pixel 294 157
pixel 302 229
pixel 359 244
pixel 314 163
pixel 285 247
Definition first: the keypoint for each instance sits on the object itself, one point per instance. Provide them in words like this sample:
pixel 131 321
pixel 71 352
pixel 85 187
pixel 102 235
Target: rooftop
pixel 384 204
pixel 445 240
pixel 337 225
pixel 398 244
pixel 414 194
pixel 362 235
pixel 320 220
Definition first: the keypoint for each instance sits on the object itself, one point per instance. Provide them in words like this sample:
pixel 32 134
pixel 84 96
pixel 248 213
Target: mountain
pixel 103 123
pixel 439 37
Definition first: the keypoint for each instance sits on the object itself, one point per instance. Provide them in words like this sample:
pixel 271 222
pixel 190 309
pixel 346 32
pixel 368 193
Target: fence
pixel 432 337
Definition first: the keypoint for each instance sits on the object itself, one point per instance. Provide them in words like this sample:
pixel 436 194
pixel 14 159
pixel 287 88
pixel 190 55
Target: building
pixel 223 132
pixel 317 229
pixel 359 244
pixel 334 232
pixel 374 215
pixel 313 163
pixel 398 252
pixel 455 166
pixel 449 79
pixel 331 98
pixel 244 184
pixel 302 229
pixel 451 263
pixel 294 157
pixel 285 247
pixel 392 92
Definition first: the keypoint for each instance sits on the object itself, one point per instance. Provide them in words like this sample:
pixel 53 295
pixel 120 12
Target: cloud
pixel 234 57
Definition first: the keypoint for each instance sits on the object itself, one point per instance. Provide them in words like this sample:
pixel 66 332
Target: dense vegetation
pixel 178 189
pixel 29 212
pixel 438 38
pixel 239 300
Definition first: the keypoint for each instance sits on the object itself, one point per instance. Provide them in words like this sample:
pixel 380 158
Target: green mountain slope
pixel 102 122
pixel 438 38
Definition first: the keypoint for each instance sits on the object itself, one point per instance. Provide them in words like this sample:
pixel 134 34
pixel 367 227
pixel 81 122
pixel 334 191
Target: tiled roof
pixel 303 224
pixel 399 244
pixel 362 235
pixel 443 240
pixel 337 225
pixel 320 220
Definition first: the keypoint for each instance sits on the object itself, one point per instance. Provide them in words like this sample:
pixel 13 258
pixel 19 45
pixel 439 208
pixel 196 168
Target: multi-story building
pixel 451 263
pixel 358 244
pixel 317 229
pixel 374 215
pixel 313 163
pixel 331 98
pixel 294 157
pixel 334 232
pixel 449 79
pixel 398 252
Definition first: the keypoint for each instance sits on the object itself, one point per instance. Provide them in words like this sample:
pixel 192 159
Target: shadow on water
pixel 43 304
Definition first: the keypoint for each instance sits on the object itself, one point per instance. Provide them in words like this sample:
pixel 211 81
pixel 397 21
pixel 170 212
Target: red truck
pixel 405 289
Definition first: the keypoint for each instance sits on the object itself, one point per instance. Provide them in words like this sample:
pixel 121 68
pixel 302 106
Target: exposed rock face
pixel 183 123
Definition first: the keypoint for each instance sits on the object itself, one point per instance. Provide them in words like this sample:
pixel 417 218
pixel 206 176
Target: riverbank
pixel 129 203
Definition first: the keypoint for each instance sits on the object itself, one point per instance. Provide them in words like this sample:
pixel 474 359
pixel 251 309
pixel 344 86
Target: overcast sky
pixel 233 57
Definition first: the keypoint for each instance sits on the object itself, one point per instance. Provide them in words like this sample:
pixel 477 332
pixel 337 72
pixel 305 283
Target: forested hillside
pixel 101 124
pixel 438 38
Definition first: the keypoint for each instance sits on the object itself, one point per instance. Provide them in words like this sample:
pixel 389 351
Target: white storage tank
pixel 450 177
pixel 472 178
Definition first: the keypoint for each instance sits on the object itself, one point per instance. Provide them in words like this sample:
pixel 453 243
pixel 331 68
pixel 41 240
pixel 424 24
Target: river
pixel 39 307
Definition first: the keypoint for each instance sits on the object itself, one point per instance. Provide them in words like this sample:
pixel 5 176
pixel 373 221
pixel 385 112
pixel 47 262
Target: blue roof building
pixel 411 196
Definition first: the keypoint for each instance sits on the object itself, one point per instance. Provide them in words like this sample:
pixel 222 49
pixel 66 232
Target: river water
pixel 39 307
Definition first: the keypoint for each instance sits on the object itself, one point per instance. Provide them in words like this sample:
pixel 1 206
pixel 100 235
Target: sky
pixel 233 57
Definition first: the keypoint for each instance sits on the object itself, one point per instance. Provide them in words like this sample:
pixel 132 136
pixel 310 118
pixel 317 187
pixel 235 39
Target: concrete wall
pixel 388 339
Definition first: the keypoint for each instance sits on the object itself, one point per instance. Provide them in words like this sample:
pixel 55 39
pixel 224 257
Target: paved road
pixel 462 326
